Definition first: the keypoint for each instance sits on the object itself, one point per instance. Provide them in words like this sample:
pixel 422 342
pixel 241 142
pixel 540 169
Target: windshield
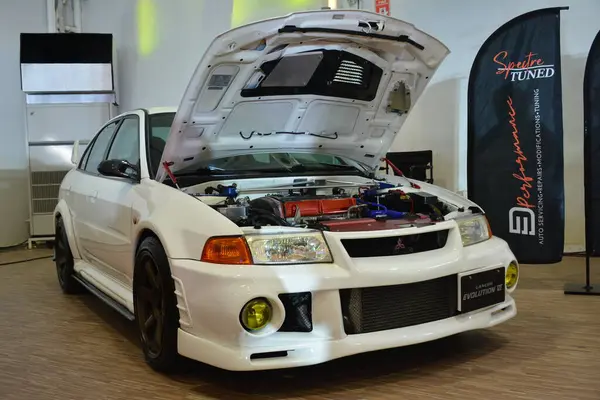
pixel 276 162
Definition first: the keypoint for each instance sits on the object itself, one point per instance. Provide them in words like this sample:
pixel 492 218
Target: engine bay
pixel 337 208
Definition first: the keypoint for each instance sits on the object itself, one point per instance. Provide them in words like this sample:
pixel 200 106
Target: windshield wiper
pixel 203 171
pixel 321 167
pixel 316 167
pixel 346 167
pixel 218 171
pixel 340 166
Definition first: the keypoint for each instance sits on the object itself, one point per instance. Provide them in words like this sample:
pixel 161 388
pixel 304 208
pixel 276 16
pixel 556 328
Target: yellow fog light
pixel 256 314
pixel 512 275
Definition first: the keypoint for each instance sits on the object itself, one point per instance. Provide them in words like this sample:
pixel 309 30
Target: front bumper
pixel 302 353
pixel 210 298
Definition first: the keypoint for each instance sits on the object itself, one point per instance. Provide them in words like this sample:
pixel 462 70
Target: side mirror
pixel 75 153
pixel 118 168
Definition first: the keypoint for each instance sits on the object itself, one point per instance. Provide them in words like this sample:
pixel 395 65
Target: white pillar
pixel 51 15
pixel 77 16
pixel 56 16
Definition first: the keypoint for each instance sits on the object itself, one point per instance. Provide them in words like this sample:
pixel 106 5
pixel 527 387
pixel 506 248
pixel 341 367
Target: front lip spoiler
pixel 401 38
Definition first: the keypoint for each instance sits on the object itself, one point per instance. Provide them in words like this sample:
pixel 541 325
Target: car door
pixel 109 215
pixel 84 185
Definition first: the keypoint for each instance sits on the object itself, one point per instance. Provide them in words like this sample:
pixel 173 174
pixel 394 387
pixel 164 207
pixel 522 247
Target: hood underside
pixel 332 82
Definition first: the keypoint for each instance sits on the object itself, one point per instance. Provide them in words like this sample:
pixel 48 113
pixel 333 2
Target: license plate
pixel 481 289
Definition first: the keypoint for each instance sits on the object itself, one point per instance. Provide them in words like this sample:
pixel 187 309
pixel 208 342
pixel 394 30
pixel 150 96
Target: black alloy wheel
pixel 156 306
pixel 63 258
pixel 151 306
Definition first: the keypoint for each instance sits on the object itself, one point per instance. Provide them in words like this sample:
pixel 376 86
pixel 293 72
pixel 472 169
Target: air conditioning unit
pixel 68 81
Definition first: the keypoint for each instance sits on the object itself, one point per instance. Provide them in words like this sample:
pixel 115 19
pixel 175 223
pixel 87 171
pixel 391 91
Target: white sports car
pixel 251 228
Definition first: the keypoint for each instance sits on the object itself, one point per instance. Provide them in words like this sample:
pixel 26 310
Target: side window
pixel 126 145
pixel 98 148
pixel 86 155
pixel 160 125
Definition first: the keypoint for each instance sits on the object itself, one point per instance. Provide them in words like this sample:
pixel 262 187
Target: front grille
pixel 396 245
pixel 298 312
pixel 381 308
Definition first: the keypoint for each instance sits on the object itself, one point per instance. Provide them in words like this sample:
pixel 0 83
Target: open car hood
pixel 338 82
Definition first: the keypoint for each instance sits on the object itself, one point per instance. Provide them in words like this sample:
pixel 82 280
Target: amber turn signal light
pixel 226 250
pixel 490 234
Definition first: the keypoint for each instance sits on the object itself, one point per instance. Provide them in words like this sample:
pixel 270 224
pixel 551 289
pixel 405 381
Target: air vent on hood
pixel 349 72
pixel 372 26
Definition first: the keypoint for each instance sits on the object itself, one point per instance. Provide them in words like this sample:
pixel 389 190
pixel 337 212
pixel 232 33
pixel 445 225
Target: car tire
pixel 155 306
pixel 63 258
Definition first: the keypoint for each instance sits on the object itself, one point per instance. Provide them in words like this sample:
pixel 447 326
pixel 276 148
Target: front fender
pixel 63 210
pixel 181 222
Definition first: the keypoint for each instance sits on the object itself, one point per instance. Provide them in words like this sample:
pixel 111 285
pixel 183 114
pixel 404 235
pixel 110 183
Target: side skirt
pixel 106 299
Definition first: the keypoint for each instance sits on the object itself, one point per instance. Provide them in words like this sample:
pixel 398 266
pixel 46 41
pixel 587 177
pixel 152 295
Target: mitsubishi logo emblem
pixel 399 246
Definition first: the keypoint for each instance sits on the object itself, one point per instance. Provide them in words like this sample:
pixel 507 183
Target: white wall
pixel 183 30
pixel 247 11
pixel 15 17
pixel 438 122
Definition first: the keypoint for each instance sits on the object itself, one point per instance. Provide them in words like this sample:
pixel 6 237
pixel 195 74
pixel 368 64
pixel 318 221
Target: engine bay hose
pixel 380 209
pixel 257 215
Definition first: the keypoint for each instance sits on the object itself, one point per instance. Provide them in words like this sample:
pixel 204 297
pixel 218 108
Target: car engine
pixel 378 207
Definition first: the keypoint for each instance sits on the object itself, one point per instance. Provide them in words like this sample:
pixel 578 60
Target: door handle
pixel 94 196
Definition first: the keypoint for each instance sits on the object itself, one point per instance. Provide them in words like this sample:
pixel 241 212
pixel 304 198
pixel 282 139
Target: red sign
pixel 382 7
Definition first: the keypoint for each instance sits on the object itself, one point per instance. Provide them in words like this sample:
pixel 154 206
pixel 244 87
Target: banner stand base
pixel 582 289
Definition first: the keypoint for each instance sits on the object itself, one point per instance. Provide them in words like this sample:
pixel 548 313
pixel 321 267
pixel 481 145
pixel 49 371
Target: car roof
pixel 161 110
pixel 150 111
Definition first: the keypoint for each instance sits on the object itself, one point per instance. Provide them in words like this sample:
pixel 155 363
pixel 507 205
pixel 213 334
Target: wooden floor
pixel 58 347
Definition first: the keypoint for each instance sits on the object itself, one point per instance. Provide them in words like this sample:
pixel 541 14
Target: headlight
pixel 474 229
pixel 289 248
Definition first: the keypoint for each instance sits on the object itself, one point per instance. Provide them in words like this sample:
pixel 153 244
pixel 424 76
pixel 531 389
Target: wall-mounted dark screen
pixel 66 48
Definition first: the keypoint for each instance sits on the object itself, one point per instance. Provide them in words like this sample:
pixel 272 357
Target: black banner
pixel 591 148
pixel 515 135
